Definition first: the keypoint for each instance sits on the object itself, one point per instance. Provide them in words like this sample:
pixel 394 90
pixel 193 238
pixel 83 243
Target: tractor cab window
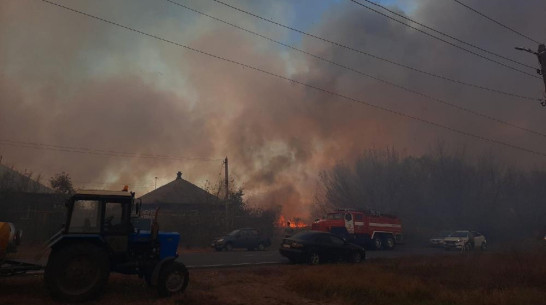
pixel 85 217
pixel 113 218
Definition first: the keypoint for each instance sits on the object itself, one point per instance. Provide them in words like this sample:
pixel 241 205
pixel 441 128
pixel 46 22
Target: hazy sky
pixel 72 81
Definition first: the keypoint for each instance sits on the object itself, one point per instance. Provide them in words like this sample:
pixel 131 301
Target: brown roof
pixel 179 191
pixel 12 180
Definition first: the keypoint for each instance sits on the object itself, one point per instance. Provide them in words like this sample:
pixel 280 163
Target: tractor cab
pixel 104 216
pixel 99 237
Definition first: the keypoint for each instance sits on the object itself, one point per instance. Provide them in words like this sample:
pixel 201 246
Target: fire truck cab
pixel 367 228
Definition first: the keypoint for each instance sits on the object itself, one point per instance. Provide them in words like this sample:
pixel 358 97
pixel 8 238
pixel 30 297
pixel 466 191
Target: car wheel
pixel 466 247
pixel 261 247
pixel 228 247
pixel 356 257
pixel 389 243
pixel 377 243
pixel 314 258
pixel 483 247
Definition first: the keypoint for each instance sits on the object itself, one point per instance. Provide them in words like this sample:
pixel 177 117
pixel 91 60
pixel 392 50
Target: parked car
pixel 438 239
pixel 465 240
pixel 246 238
pixel 315 247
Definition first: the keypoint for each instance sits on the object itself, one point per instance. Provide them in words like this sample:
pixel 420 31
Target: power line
pixel 497 22
pixel 440 32
pixel 434 99
pixel 390 61
pixel 443 40
pixel 319 89
pixel 108 153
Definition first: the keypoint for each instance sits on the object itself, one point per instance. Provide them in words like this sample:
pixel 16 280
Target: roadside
pixel 506 278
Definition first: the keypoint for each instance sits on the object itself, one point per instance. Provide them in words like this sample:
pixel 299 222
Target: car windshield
pixel 233 233
pixel 308 235
pixel 459 234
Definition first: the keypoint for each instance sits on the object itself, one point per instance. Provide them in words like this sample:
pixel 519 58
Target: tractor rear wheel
pixel 173 278
pixel 77 272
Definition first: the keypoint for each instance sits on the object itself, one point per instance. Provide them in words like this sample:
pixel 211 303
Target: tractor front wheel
pixel 77 272
pixel 173 278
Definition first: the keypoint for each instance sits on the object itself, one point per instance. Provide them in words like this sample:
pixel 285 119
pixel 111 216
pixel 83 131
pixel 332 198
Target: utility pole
pixel 541 55
pixel 226 180
pixel 226 183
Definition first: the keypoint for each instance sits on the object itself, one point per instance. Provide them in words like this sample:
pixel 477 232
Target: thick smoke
pixel 69 80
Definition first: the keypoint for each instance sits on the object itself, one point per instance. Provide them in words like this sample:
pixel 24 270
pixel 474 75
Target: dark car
pixel 315 247
pixel 246 238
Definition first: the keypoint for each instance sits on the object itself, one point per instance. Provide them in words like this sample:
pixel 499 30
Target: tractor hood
pixel 168 241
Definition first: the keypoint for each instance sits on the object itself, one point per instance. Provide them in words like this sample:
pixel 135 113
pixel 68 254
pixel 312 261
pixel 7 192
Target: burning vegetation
pixel 284 222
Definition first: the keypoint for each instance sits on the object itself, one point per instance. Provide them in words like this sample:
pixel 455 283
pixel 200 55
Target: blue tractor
pixel 100 236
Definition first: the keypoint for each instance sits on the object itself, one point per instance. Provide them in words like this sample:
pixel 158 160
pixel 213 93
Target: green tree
pixel 62 183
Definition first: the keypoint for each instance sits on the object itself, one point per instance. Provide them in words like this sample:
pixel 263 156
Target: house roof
pixel 11 179
pixel 179 191
pixel 103 193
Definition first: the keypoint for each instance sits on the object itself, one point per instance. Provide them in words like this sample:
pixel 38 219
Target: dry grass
pixel 476 278
pixel 250 285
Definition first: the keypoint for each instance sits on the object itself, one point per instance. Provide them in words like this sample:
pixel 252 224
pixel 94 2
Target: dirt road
pixel 212 259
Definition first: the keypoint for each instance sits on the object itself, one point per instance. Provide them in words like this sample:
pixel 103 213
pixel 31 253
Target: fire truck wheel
pixel 389 243
pixel 377 243
pixel 313 258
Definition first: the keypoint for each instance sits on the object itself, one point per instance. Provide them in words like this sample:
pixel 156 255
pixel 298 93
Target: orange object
pixel 5 231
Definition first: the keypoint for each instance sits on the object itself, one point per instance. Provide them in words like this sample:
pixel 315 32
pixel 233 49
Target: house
pixel 13 181
pixel 178 194
pixel 30 205
pixel 185 208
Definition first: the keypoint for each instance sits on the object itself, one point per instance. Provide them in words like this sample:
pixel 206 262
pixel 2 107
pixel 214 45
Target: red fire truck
pixel 368 228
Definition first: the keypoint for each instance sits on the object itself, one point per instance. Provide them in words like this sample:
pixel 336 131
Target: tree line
pixel 440 191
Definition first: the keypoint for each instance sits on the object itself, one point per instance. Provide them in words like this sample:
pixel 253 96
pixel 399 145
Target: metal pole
pixel 541 54
pixel 226 182
pixel 226 198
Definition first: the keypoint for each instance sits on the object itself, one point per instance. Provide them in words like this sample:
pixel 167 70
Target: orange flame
pixel 284 222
